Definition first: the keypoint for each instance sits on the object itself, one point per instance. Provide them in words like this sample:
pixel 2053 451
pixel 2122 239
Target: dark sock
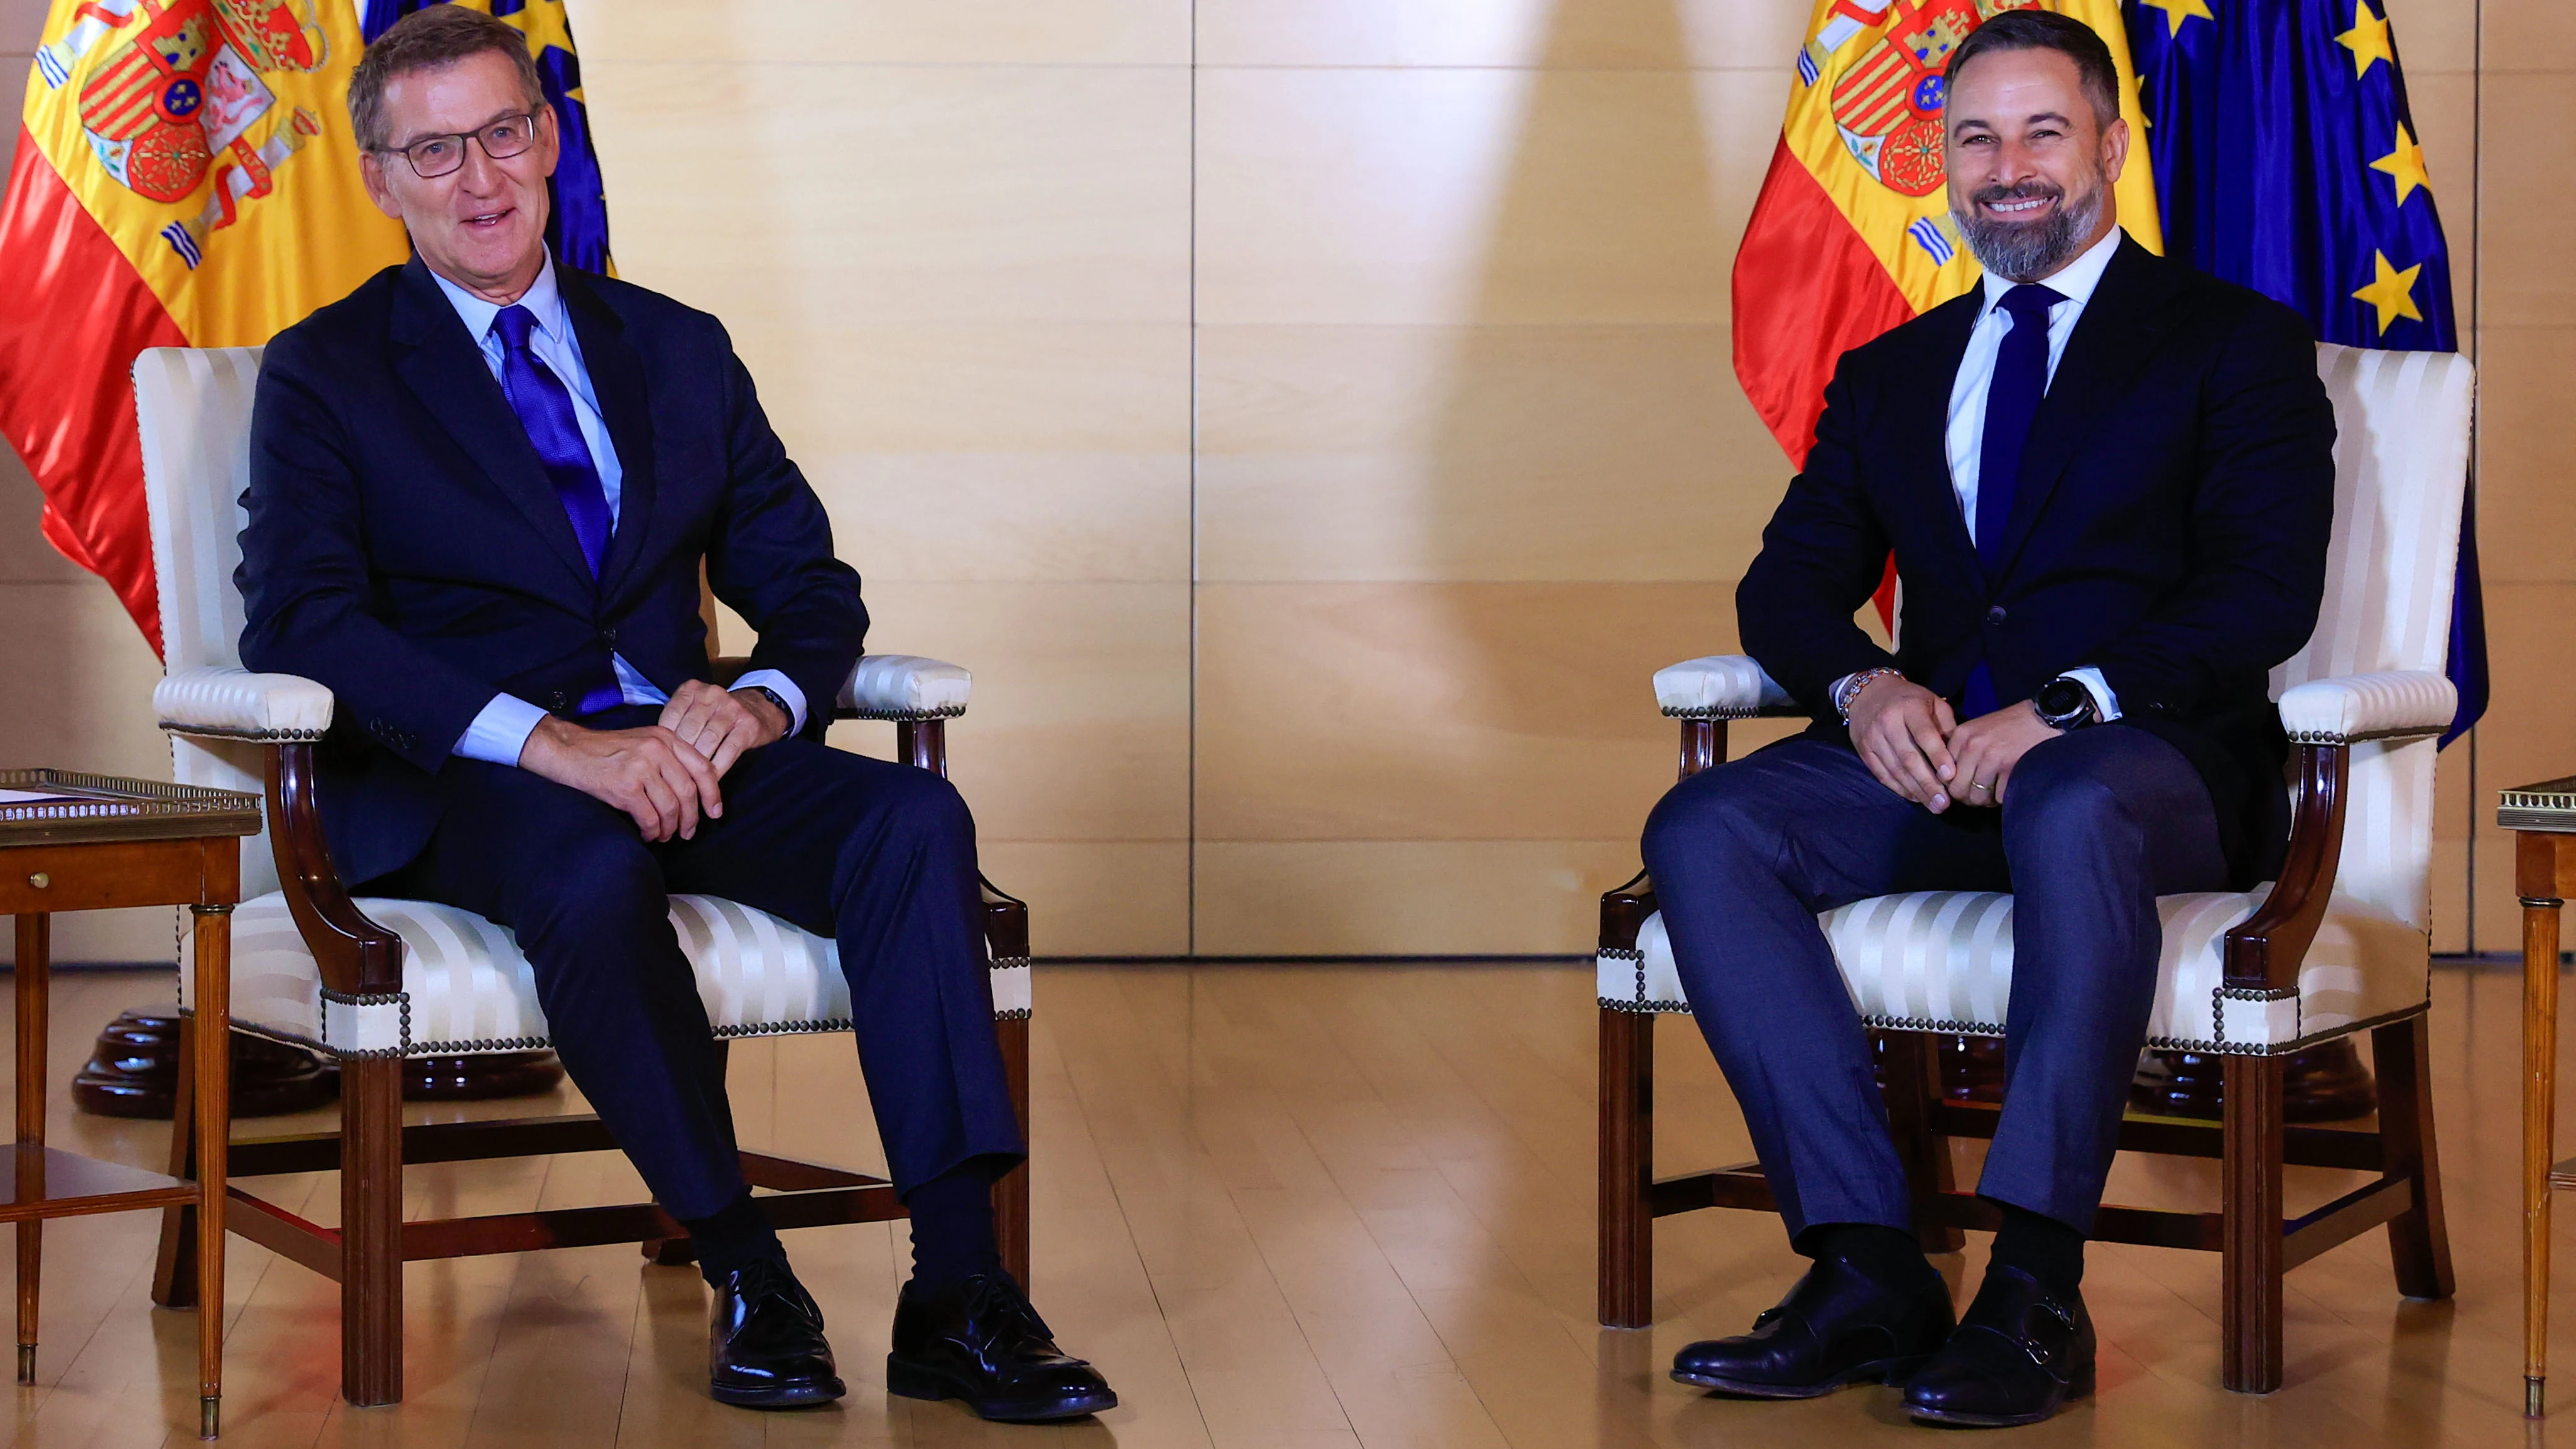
pixel 737 1236
pixel 2043 1247
pixel 952 1227
pixel 1887 1255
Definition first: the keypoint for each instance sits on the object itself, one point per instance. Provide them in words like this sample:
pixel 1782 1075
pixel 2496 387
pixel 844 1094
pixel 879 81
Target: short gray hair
pixel 430 39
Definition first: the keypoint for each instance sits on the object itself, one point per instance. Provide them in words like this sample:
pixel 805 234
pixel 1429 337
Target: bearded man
pixel 2108 482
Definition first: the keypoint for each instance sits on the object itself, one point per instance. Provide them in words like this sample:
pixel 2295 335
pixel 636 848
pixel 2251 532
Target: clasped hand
pixel 666 775
pixel 1916 746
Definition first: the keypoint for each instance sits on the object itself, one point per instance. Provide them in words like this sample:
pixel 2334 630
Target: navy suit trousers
pixel 877 855
pixel 2094 826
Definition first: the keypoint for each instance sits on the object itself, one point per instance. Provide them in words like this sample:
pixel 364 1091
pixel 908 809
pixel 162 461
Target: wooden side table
pixel 71 842
pixel 2543 819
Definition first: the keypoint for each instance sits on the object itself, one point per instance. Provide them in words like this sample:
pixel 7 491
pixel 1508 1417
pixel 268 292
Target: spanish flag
pixel 186 178
pixel 1851 234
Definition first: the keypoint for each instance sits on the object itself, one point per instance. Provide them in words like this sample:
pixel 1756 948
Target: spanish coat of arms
pixel 1887 106
pixel 181 92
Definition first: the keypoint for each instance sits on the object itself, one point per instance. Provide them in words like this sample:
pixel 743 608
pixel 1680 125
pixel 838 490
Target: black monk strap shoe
pixel 765 1346
pixel 980 1341
pixel 2018 1356
pixel 1837 1327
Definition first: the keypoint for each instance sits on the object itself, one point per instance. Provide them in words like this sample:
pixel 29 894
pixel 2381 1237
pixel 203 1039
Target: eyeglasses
pixel 434 156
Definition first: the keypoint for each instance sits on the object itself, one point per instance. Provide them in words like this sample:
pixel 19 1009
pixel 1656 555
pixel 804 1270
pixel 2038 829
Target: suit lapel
pixel 2112 343
pixel 1927 419
pixel 443 367
pixel 626 405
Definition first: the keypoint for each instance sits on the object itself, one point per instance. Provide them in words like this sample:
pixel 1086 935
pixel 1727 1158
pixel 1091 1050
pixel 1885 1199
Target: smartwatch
pixel 2065 704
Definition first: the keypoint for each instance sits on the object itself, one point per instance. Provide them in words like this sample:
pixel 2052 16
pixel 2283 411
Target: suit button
pixel 1995 615
pixel 609 635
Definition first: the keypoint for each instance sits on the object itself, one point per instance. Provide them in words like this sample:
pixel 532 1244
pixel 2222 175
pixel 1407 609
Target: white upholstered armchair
pixel 2339 944
pixel 371 982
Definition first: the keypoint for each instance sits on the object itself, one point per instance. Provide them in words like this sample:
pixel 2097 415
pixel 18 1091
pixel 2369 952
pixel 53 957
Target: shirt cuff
pixel 785 688
pixel 2105 703
pixel 501 731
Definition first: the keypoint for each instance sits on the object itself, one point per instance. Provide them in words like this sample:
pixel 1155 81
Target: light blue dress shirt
pixel 1965 438
pixel 501 730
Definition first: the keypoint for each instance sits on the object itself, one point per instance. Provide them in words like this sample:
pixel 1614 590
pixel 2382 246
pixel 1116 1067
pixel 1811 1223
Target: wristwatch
pixel 2064 703
pixel 767 693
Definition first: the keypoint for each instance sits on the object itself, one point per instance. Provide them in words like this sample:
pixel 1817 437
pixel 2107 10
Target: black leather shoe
pixel 2018 1356
pixel 765 1346
pixel 1837 1327
pixel 980 1341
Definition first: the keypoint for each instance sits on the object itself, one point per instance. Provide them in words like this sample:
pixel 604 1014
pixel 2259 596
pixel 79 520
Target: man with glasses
pixel 483 488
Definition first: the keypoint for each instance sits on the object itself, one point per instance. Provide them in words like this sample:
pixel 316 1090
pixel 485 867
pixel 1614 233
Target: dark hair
pixel 430 39
pixel 2040 30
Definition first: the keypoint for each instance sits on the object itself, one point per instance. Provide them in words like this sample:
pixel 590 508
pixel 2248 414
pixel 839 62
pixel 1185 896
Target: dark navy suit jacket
pixel 2169 527
pixel 405 548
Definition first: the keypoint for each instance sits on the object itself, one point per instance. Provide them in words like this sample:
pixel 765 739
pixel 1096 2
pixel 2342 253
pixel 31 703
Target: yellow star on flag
pixel 2391 291
pixel 546 27
pixel 2367 40
pixel 2405 164
pixel 2178 11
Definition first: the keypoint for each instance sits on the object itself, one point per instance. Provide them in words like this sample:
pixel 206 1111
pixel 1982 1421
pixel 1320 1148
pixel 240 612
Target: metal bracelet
pixel 1850 692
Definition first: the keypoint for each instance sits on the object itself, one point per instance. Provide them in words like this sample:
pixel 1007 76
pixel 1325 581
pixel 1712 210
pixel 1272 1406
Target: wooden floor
pixel 1279 1206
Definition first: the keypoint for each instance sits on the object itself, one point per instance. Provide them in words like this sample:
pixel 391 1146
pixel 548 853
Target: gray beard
pixel 2025 251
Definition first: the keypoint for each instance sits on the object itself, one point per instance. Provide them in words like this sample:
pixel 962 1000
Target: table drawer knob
pixel 40 880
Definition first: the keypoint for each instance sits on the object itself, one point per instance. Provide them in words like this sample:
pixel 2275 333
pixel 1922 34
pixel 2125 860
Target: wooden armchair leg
pixel 1011 1193
pixel 2419 1245
pixel 371 1221
pixel 174 1268
pixel 1627 1214
pixel 2251 1317
pixel 1913 1085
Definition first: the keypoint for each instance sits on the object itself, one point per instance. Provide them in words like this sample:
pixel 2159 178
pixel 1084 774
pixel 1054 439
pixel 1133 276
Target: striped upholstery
pixel 466 988
pixel 1939 960
pixel 1942 961
pixel 194 407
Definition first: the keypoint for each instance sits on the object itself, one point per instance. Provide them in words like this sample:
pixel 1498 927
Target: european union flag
pixel 2286 160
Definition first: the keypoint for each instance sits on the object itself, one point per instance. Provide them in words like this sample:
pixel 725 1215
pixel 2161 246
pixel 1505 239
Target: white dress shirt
pixel 501 730
pixel 1965 438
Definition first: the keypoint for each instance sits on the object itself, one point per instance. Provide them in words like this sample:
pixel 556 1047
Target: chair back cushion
pixel 193 406
pixel 2401 467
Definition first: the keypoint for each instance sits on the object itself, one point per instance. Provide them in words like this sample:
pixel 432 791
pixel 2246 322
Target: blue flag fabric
pixel 2287 161
pixel 577 229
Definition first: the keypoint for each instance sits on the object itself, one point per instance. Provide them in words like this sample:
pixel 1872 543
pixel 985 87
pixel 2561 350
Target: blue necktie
pixel 544 406
pixel 2012 400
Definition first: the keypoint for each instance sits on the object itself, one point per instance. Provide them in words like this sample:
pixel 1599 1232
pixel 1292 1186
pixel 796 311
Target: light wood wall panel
pixel 2527 365
pixel 1472 460
pixel 952 244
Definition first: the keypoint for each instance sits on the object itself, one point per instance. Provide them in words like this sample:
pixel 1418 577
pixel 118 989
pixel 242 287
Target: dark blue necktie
pixel 544 406
pixel 2012 400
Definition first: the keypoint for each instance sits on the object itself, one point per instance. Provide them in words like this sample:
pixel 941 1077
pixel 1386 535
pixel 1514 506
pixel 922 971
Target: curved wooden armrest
pixel 1006 921
pixel 2264 953
pixel 1624 912
pixel 357 956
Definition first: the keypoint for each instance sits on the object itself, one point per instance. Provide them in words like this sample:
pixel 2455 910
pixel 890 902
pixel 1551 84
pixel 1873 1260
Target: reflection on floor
pixel 1281 1206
